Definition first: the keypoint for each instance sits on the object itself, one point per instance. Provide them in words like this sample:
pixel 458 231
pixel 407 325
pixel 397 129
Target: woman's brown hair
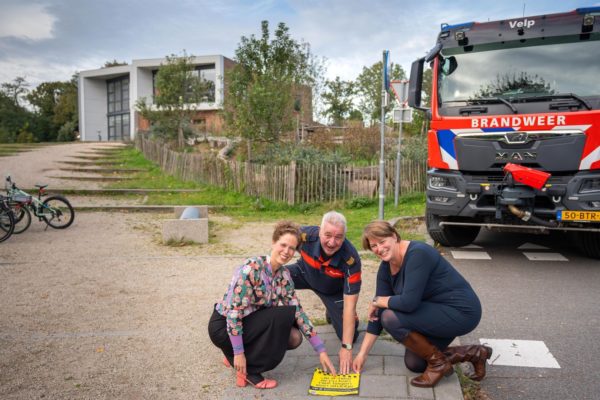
pixel 285 227
pixel 378 229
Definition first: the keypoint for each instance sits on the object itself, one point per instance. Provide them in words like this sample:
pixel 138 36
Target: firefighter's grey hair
pixel 334 218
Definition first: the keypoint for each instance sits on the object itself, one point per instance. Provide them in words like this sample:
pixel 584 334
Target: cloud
pixel 54 38
pixel 38 70
pixel 26 21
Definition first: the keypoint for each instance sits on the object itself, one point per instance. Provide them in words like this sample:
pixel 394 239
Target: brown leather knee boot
pixel 475 354
pixel 437 363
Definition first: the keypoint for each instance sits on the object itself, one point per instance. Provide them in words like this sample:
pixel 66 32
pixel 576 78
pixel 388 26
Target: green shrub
pixel 67 132
pixel 24 136
pixel 360 202
pixel 6 136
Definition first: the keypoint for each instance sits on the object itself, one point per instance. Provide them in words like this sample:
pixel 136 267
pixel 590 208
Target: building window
pixel 207 76
pixel 118 108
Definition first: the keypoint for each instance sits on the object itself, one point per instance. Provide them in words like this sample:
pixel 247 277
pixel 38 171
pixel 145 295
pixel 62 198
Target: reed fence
pixel 294 183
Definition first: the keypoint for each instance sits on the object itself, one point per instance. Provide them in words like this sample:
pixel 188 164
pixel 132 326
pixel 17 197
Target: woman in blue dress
pixel 422 302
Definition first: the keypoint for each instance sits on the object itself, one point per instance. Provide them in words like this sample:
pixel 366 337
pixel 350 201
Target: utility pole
pixel 398 159
pixel 381 152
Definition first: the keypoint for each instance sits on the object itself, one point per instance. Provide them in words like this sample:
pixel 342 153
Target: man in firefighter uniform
pixel 329 265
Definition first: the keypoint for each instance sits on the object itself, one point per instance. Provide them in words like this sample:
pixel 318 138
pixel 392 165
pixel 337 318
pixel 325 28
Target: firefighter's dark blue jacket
pixel 340 272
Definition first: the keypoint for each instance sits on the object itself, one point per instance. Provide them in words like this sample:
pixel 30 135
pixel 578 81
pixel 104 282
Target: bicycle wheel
pixel 22 217
pixel 57 212
pixel 7 223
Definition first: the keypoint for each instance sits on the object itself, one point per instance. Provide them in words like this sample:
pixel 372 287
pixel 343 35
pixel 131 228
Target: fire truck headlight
pixel 441 182
pixel 590 186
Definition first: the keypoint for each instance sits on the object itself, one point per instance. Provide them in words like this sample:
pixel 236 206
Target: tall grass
pixel 358 211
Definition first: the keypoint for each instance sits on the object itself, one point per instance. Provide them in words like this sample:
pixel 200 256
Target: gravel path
pixel 104 310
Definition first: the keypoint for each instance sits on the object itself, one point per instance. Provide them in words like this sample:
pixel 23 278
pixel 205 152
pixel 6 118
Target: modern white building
pixel 107 97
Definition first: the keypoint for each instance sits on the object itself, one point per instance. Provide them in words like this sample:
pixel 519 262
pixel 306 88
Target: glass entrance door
pixel 118 108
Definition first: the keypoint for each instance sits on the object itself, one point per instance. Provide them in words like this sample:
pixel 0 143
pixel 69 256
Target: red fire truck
pixel 514 138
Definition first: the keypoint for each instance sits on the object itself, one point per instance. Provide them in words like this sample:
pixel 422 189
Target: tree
pixel 15 89
pixel 55 105
pixel 510 85
pixel 66 109
pixel 368 87
pixel 178 90
pixel 259 103
pixel 113 63
pixel 13 119
pixel 338 99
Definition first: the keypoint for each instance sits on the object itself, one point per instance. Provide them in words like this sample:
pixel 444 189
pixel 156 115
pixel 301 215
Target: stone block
pixel 448 388
pixel 195 230
pixel 179 209
pixel 387 387
pixel 394 365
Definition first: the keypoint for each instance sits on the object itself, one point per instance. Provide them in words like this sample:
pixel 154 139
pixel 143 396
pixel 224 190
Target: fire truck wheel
pixel 589 243
pixel 452 236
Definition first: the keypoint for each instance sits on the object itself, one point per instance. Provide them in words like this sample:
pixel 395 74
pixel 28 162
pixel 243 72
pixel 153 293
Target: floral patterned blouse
pixel 255 286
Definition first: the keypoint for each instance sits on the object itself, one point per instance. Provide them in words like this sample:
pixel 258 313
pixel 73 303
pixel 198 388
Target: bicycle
pixel 55 211
pixel 7 220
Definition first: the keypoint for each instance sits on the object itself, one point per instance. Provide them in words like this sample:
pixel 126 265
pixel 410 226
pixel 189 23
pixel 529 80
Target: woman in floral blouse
pixel 260 317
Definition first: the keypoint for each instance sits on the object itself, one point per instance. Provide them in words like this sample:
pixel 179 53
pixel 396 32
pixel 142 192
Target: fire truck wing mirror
pixel 416 85
pixel 448 65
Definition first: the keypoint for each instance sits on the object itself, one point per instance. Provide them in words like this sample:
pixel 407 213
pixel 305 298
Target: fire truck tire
pixel 452 236
pixel 589 243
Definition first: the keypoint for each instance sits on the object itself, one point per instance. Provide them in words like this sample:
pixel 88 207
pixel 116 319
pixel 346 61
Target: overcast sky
pixel 50 40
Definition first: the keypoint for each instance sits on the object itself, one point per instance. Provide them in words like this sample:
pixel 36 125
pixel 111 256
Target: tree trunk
pixel 180 141
pixel 249 147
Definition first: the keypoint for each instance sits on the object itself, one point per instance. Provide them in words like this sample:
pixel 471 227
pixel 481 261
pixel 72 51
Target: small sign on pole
pixel 403 115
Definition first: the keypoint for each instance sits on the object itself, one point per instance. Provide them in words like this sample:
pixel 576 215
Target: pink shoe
pixel 266 384
pixel 226 362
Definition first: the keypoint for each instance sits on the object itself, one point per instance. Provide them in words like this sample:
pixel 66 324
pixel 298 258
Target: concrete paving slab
pixel 385 375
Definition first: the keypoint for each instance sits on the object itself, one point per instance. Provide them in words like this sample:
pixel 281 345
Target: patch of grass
pixel 9 149
pixel 181 242
pixel 470 388
pixel 244 208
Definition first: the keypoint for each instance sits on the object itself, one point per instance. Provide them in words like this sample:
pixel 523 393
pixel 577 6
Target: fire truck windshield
pixel 520 72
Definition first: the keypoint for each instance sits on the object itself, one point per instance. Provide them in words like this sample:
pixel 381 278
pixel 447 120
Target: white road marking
pixel 470 255
pixel 520 353
pixel 532 246
pixel 544 256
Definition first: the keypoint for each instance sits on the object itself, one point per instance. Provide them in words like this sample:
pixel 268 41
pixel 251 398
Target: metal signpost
pixel 402 114
pixel 384 100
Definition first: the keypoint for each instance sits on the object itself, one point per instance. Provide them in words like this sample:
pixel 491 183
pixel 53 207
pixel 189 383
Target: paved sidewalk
pixel 385 375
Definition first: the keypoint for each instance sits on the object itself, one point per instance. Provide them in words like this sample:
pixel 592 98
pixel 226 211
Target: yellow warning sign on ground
pixel 326 384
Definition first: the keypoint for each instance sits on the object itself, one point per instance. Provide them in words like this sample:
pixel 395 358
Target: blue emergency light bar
pixel 588 10
pixel 445 27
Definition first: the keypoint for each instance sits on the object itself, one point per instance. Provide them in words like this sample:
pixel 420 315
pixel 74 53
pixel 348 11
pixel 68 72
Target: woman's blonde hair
pixel 285 227
pixel 378 229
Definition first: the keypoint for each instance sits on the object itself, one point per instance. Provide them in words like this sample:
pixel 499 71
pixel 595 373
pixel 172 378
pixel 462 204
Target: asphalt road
pixel 556 302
